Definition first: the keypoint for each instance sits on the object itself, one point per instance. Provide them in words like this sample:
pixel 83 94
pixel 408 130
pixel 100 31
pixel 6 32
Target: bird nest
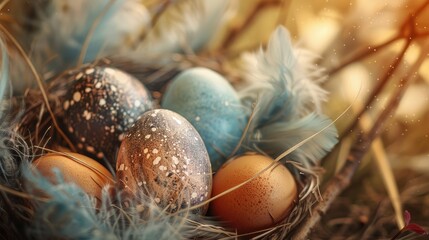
pixel 282 95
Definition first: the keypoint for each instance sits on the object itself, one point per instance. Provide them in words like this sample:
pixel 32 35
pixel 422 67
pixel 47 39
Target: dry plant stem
pixel 378 88
pixel 363 54
pixel 357 152
pixel 41 86
pixel 235 31
pixel 407 30
pixel 91 32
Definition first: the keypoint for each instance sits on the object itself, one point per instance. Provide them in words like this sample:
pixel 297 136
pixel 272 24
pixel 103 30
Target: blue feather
pixel 280 136
pixel 280 82
pixel 65 25
pixel 4 74
pixel 282 87
pixel 69 213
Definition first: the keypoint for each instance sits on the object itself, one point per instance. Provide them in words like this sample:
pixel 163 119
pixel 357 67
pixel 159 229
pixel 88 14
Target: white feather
pixel 283 83
pixel 185 25
pixel 283 70
pixel 279 137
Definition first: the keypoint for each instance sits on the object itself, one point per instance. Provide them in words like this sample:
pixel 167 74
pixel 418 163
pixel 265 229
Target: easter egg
pixel 212 106
pixel 85 172
pixel 99 107
pixel 259 204
pixel 164 157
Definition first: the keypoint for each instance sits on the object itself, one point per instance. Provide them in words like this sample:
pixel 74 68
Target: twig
pixel 379 87
pixel 158 13
pixel 91 32
pixel 357 152
pixel 406 31
pixel 40 84
pixel 364 53
pixel 235 31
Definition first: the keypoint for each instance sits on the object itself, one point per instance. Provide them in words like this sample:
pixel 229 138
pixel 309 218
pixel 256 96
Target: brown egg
pixel 87 173
pixel 164 157
pixel 259 204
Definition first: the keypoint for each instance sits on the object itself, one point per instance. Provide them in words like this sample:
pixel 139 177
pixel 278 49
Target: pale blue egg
pixel 209 102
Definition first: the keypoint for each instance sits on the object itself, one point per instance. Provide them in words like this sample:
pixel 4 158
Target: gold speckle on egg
pixel 89 71
pixel 78 76
pixel 66 105
pixel 156 161
pixel 77 96
pixel 159 174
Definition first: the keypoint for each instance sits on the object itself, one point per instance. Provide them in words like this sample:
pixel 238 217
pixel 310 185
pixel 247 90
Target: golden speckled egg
pixel 164 157
pixel 85 172
pixel 259 204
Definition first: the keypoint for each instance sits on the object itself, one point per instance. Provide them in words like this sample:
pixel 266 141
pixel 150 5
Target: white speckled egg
pixel 212 106
pixel 164 157
pixel 100 105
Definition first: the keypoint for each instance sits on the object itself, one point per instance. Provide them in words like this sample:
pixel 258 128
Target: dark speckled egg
pixel 99 107
pixel 164 157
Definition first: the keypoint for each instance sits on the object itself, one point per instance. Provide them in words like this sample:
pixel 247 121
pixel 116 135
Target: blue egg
pixel 212 106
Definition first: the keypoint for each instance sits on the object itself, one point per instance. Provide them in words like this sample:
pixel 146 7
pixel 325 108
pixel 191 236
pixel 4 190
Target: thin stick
pixel 3 4
pixel 92 31
pixel 40 84
pixel 341 180
pixel 159 12
pixel 234 33
pixel 363 53
pixel 407 29
pixel 380 86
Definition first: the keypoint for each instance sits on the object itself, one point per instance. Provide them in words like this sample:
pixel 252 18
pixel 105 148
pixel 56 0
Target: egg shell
pixel 99 107
pixel 164 157
pixel 209 102
pixel 259 204
pixel 85 172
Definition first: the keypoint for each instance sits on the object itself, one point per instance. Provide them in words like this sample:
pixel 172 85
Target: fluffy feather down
pixel 186 25
pixel 282 87
pixel 69 213
pixel 283 78
pixel 65 25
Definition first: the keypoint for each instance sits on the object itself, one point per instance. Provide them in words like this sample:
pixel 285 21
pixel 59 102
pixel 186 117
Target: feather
pixel 280 136
pixel 283 80
pixel 4 74
pixel 65 26
pixel 282 87
pixel 185 25
pixel 69 213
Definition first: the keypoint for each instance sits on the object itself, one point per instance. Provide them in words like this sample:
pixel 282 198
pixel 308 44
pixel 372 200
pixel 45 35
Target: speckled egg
pixel 85 172
pixel 261 203
pixel 99 107
pixel 164 157
pixel 212 106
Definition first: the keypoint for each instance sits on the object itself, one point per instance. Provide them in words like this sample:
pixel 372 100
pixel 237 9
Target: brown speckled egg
pixel 99 107
pixel 259 204
pixel 164 157
pixel 85 172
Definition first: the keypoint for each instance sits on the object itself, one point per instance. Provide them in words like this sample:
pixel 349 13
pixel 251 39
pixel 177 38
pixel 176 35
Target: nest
pixel 34 133
pixel 33 127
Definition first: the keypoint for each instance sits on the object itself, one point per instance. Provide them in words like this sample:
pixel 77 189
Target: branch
pixel 376 91
pixel 343 178
pixel 406 31
pixel 235 31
